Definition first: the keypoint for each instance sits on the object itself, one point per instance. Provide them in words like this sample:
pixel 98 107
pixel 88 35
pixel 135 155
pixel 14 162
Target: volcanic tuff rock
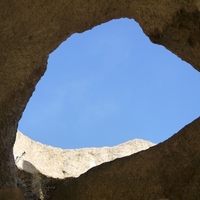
pixel 33 156
pixel 169 170
pixel 11 194
pixel 31 30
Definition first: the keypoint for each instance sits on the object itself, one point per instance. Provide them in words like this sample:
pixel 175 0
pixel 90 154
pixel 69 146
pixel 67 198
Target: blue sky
pixel 109 85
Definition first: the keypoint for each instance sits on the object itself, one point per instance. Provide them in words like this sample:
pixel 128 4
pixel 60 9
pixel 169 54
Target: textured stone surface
pixel 30 30
pixel 33 156
pixel 169 170
pixel 11 194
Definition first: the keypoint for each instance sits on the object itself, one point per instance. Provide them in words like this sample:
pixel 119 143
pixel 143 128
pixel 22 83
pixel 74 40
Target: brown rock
pixel 169 170
pixel 11 194
pixel 30 30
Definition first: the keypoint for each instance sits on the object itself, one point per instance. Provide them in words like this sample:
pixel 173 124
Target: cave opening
pixel 109 85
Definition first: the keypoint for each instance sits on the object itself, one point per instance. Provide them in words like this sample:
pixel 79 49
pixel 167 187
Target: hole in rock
pixel 109 85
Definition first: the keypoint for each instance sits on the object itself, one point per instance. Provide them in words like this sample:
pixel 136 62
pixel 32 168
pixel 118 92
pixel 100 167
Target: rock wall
pixel 30 30
pixel 167 171
pixel 35 157
pixel 11 193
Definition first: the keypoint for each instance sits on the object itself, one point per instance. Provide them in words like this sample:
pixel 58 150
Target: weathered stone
pixel 30 30
pixel 35 157
pixel 11 194
pixel 169 170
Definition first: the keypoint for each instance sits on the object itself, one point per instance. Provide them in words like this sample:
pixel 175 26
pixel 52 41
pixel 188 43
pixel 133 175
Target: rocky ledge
pixel 33 156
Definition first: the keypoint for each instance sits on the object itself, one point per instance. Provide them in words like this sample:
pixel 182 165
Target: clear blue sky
pixel 110 85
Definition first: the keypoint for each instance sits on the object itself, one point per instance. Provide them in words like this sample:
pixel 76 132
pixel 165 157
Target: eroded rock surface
pixel 30 30
pixel 11 194
pixel 169 170
pixel 33 156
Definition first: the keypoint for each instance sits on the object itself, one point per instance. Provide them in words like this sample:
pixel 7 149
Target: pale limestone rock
pixel 33 156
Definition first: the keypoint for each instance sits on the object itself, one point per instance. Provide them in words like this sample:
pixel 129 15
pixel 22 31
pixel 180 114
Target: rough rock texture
pixel 167 171
pixel 33 156
pixel 11 194
pixel 30 30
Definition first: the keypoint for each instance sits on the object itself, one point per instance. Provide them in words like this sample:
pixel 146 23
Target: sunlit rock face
pixel 31 30
pixel 33 156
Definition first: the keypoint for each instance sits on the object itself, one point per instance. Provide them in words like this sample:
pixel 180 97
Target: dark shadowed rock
pixel 169 170
pixel 11 194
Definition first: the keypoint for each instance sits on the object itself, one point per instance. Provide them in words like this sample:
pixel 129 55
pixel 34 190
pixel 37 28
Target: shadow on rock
pixel 31 181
